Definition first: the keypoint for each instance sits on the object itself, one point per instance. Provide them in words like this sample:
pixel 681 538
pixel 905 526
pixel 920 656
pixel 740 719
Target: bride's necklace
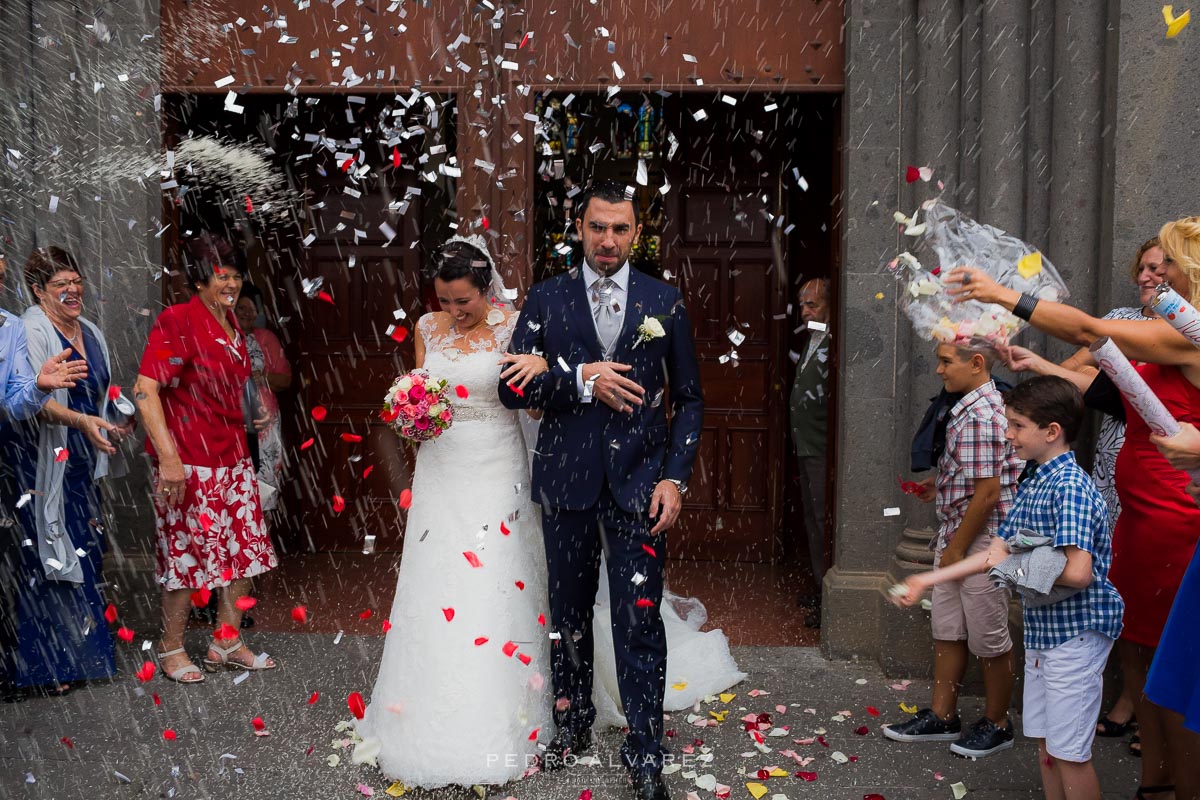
pixel 76 338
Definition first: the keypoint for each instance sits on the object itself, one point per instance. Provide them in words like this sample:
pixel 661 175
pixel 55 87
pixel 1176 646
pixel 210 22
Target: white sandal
pixel 225 662
pixel 177 674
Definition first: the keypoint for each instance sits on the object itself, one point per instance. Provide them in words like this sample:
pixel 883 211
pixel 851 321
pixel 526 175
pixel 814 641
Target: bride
pixel 462 696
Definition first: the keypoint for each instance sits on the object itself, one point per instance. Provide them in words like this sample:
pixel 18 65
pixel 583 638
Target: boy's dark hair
pixel 1048 398
pixel 609 191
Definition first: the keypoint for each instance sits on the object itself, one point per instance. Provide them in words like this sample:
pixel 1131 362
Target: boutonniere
pixel 650 329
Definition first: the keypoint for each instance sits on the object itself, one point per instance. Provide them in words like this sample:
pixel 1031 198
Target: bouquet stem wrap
pixel 1136 391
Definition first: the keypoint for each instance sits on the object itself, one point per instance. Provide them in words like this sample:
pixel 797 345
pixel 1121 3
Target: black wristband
pixel 1025 306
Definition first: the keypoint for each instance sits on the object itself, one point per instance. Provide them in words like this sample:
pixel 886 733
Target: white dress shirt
pixel 620 293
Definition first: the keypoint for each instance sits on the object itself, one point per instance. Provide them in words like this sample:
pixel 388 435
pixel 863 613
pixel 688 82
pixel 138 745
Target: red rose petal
pixel 226 632
pixel 307 444
pixel 525 659
pixel 67 741
pixel 862 730
pixel 351 437
pixel 504 528
pixel 395 157
pixel 405 498
pixel 481 640
pixel 399 334
pixel 245 603
pixel 366 614
pixel 157 699
pixel 367 472
pixel 357 707
pixel 110 614
pixel 169 735
pixel 912 175
pixel 258 723
pixel 300 614
pixel 125 634
pixel 534 734
pixel 114 392
pixel 326 296
pixel 313 698
pixel 201 596
pixel 644 602
pixel 461 391
pixel 339 504
pixel 807 776
pixel 542 620
pixel 319 412
pixel 509 648
pixel 517 390
pixel 873 711
pixel 386 625
pixel 472 559
pixel 146 672
pixel 650 550
pixel 449 612
pixel 520 585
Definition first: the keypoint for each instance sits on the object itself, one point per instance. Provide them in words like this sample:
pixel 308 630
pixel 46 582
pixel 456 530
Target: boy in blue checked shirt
pixel 1067 642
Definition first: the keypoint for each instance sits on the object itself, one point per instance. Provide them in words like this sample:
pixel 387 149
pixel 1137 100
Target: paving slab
pixel 105 740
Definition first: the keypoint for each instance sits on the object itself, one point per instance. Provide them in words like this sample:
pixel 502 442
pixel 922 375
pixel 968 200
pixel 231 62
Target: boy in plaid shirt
pixel 974 489
pixel 1066 642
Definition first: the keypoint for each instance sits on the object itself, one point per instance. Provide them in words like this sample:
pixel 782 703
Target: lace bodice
pixel 469 360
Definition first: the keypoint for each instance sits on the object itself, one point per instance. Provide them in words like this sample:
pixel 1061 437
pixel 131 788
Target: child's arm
pixel 1078 571
pixel 972 565
pixel 980 507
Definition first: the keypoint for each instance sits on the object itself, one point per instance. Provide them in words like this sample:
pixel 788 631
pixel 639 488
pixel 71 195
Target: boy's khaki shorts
pixel 972 610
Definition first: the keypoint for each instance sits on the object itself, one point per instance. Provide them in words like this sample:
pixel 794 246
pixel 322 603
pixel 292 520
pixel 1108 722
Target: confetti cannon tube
pixel 1183 316
pixel 1136 391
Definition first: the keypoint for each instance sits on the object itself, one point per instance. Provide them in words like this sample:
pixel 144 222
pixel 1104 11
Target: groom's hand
pixel 664 506
pixel 611 387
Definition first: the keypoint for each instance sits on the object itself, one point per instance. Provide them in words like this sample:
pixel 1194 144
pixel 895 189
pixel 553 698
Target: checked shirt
pixel 1060 500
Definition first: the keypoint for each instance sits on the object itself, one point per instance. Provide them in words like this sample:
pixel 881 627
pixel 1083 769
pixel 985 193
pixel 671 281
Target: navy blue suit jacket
pixel 581 444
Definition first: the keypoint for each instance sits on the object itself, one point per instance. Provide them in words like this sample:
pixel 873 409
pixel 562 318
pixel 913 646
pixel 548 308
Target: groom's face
pixel 608 231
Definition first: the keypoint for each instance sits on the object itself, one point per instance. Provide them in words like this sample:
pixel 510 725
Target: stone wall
pixel 79 128
pixel 1026 111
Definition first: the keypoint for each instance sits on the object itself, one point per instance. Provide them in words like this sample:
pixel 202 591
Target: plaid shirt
pixel 975 448
pixel 1060 500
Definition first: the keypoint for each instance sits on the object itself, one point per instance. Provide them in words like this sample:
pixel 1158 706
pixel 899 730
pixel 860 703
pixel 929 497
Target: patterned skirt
pixel 216 535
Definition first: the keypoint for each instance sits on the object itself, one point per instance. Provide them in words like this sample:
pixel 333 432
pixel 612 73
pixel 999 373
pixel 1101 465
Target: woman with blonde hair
pixel 1156 534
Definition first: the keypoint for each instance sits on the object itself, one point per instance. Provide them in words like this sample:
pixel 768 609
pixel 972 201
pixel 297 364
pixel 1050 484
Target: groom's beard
pixel 599 270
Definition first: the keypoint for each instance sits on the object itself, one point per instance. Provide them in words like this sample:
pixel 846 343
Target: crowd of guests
pixel 1096 560
pixel 205 396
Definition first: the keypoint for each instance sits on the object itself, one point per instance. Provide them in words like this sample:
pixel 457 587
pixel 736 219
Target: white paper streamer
pixel 1136 391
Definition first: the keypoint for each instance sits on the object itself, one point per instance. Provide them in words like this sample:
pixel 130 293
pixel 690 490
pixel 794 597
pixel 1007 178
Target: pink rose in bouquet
pixel 417 407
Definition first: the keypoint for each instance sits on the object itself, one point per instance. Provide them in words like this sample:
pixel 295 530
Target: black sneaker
pixel 984 738
pixel 926 726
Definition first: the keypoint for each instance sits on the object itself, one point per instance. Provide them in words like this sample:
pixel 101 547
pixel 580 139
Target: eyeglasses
pixel 76 283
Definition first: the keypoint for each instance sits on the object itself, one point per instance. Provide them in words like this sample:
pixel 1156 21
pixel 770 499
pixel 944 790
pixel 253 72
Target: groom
pixel 609 470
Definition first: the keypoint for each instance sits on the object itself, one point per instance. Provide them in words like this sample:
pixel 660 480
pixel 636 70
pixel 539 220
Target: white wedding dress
pixel 448 707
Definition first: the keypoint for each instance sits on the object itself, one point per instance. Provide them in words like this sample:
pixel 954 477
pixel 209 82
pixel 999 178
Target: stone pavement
pixel 105 740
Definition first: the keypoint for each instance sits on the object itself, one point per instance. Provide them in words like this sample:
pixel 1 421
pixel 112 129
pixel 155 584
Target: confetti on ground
pixel 959 789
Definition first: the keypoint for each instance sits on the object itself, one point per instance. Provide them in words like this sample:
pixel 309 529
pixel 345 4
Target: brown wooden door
pixel 726 262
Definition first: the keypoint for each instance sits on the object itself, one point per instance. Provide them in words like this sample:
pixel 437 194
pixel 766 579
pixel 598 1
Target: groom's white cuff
pixel 584 389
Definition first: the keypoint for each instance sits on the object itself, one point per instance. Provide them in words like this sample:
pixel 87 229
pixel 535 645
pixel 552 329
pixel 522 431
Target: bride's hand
pixel 523 369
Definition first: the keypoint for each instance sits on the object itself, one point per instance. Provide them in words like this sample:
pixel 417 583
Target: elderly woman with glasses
pixel 209 521
pixel 61 634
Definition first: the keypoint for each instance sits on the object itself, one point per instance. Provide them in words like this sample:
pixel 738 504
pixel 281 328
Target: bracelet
pixel 1025 306
pixel 78 419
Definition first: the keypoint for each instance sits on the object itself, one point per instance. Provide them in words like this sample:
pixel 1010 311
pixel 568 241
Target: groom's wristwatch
pixel 680 485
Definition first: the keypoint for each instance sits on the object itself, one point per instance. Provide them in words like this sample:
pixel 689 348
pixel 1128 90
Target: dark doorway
pixel 341 270
pixel 738 205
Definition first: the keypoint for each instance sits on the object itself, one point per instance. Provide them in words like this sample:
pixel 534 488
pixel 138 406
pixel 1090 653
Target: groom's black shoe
pixel 565 743
pixel 650 787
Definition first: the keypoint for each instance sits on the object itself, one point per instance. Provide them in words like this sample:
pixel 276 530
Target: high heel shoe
pixel 223 661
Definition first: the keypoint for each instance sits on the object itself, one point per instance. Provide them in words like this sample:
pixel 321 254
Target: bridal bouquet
pixel 417 408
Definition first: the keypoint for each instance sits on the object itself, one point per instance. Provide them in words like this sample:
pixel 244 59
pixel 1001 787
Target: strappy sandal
pixel 177 675
pixel 1142 791
pixel 261 661
pixel 1108 727
pixel 1135 746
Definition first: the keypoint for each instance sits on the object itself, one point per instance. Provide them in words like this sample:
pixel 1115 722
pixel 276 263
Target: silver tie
pixel 608 324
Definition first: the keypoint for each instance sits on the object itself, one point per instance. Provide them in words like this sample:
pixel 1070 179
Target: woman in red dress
pixel 210 531
pixel 1159 526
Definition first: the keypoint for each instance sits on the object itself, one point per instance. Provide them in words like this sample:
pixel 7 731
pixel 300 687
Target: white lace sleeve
pixel 504 332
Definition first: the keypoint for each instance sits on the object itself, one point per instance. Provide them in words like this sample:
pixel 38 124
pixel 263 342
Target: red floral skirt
pixel 216 535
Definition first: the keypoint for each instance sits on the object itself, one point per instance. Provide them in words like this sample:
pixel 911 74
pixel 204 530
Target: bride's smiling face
pixel 465 302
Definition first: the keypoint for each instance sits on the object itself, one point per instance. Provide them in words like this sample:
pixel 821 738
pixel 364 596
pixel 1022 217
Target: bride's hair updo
pixel 458 260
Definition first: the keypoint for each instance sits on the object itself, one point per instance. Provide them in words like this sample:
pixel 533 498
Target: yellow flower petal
pixel 756 790
pixel 779 773
pixel 908 709
pixel 397 789
pixel 1176 24
pixel 727 697
pixel 679 687
pixel 719 716
pixel 1030 265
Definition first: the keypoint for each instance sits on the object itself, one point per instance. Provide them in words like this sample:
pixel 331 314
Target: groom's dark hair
pixel 609 191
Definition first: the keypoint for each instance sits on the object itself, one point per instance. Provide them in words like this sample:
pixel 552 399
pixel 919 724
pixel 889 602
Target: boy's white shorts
pixel 1063 690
